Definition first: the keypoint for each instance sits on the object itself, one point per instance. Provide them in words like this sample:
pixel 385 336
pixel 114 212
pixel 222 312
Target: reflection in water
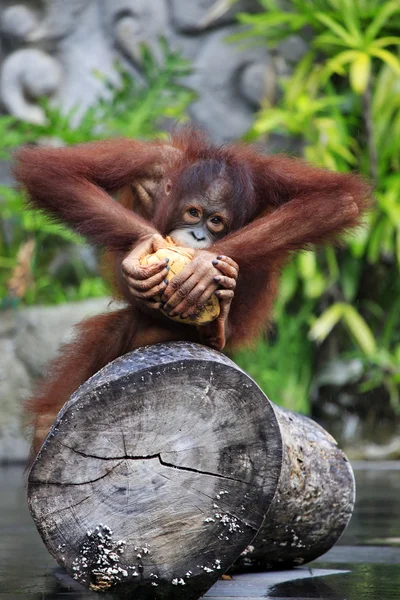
pixel 27 569
pixel 267 584
pixel 377 514
pixel 306 588
pixel 364 582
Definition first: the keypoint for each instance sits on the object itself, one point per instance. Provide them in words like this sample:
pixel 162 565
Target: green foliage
pixel 42 281
pixel 137 108
pixel 342 102
pixel 283 368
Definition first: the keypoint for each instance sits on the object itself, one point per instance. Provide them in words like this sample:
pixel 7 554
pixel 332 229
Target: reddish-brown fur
pixel 279 205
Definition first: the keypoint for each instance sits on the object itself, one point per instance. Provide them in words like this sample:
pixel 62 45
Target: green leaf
pixel 337 63
pixel 315 286
pixel 322 326
pixel 336 28
pixel 387 57
pixel 350 17
pixel 274 26
pixel 374 245
pixel 295 86
pixel 359 242
pixel 327 39
pixel 359 330
pixel 288 283
pixel 332 263
pixel 386 41
pixel 350 277
pixel 269 120
pixel 398 248
pixel 360 70
pixel 390 324
pixel 383 15
pixel 307 264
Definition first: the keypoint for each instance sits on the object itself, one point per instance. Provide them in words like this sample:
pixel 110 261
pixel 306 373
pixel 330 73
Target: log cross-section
pixel 157 473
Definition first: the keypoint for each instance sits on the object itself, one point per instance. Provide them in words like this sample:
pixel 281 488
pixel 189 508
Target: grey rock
pixel 17 22
pixel 293 48
pixel 84 39
pixel 223 107
pixel 86 55
pixel 132 24
pixel 29 338
pixel 14 445
pixel 28 75
pixel 257 81
pixel 41 330
pixel 14 382
pixel 6 177
pixel 194 16
pixel 15 386
pixel 7 323
pixel 68 50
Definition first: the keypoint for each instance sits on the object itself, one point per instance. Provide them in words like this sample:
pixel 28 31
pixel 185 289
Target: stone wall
pixel 28 340
pixel 57 48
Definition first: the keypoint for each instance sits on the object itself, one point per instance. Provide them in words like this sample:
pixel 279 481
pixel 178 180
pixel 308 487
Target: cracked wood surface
pixel 157 473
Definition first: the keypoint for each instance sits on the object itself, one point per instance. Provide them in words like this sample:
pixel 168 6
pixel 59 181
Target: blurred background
pixel 315 78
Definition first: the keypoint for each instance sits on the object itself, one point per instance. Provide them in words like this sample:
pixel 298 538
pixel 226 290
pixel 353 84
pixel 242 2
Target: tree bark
pixel 160 469
pixel 313 503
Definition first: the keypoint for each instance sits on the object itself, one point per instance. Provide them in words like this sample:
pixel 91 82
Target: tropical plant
pixel 342 103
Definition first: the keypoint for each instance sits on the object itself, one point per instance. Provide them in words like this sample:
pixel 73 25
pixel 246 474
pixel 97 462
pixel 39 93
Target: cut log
pixel 313 503
pixel 160 469
pixel 157 473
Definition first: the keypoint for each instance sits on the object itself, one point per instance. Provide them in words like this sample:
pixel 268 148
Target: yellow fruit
pixel 178 259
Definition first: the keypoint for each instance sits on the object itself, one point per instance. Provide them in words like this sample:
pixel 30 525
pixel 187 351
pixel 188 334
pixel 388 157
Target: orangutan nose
pixel 198 235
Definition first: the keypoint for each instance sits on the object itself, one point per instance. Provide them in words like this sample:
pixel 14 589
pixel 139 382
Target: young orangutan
pixel 241 213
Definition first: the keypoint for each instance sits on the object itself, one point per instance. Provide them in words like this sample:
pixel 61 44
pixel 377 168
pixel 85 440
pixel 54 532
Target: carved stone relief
pixel 58 49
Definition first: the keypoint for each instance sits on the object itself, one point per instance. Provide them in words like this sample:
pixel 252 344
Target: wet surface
pixel 364 565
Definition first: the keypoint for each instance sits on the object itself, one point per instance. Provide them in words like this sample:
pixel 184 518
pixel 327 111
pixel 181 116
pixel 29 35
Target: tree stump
pixel 160 469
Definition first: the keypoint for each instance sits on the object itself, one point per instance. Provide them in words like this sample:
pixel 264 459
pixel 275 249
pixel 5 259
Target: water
pixel 365 565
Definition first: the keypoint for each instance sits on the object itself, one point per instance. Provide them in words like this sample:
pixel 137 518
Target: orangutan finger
pixel 226 282
pixel 179 295
pixel 198 301
pixel 132 268
pixel 192 299
pixel 225 294
pixel 155 291
pixel 226 268
pixel 229 261
pixel 143 285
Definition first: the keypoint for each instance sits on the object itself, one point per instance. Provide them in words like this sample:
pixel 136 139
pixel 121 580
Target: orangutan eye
pixel 216 224
pixel 193 212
